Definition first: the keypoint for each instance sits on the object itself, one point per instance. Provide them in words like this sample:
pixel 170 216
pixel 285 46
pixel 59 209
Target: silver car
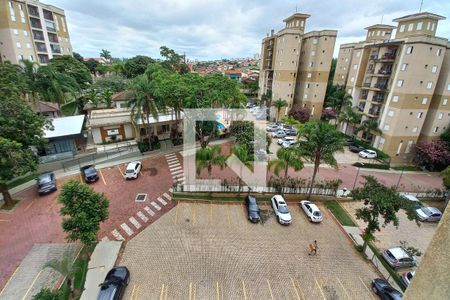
pixel 429 214
pixel 279 134
pixel 397 257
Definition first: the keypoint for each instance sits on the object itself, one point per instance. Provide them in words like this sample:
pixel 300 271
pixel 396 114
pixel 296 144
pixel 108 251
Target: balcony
pixel 361 107
pixel 48 15
pixel 378 99
pixel 370 71
pixel 366 84
pixel 386 72
pixel 43 59
pixel 364 96
pixel 389 55
pixel 38 35
pixel 33 11
pixel 55 49
pixel 381 85
pixel 40 47
pixel 53 38
pixel 374 112
pixel 374 56
pixel 35 23
pixel 50 25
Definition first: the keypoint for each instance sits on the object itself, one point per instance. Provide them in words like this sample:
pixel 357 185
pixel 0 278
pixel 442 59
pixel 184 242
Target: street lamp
pixel 403 169
pixel 357 173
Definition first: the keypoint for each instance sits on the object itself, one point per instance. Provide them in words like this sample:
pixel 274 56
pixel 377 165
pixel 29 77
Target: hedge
pixel 372 166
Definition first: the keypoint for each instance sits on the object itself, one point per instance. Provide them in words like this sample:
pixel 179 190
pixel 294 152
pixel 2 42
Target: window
pixel 439 52
pixel 432 26
pixel 434 69
pixel 428 26
pixel 400 83
pixel 25 33
pixel 400 145
pixel 378 33
pixel 414 130
pixel 352 79
pixel 358 54
pixel 383 33
pixel 409 50
pixel 20 57
pixel 391 113
pixel 309 75
pixel 28 45
pixel 16 32
pixel 410 27
pixel 429 84
pixel 402 28
pixel 311 64
pixel 315 41
pixel 31 58
pixel 18 45
pixel 395 99
pixel 355 67
pixel 386 127
pixel 313 53
pixel 346 59
pixel 404 67
pixel 419 26
pixel 435 129
pixel 419 115
pixel 11 11
pixel 448 87
pixel 440 116
pixel 444 102
pixel 349 91
pixel 307 85
pixel 408 146
pixel 424 100
pixel 302 23
pixel 305 96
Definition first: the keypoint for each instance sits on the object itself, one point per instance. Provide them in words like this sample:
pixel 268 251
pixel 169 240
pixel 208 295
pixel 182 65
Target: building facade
pixel 402 82
pixel 295 65
pixel 31 30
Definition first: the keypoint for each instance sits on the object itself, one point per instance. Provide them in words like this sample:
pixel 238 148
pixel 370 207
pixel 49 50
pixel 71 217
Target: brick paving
pixel 211 251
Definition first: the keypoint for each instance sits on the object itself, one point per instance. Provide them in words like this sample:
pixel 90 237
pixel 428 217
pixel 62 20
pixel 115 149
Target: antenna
pixel 296 8
pixel 382 16
pixel 421 4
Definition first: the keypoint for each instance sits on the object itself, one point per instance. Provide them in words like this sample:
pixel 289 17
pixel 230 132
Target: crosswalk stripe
pixel 135 222
pixel 117 235
pixel 161 200
pixel 174 164
pixel 167 196
pixel 149 211
pixel 181 175
pixel 171 190
pixel 156 205
pixel 174 169
pixel 127 229
pixel 141 215
pixel 171 156
pixel 172 160
pixel 177 172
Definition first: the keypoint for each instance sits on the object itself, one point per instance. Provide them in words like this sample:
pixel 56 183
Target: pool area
pixel 220 126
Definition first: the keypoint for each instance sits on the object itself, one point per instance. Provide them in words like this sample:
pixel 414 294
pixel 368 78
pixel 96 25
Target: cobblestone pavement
pixel 390 236
pixel 211 251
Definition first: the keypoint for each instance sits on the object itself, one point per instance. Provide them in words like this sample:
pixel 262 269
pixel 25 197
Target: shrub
pixel 47 294
pixel 380 154
pixel 359 248
pixel 372 166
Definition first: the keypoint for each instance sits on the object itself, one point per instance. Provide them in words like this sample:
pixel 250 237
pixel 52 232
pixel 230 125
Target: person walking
pixel 313 248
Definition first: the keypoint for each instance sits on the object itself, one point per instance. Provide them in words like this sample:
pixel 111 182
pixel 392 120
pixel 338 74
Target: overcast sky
pixel 214 29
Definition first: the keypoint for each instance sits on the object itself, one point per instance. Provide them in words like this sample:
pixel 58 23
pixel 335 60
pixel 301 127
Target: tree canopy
pixel 11 80
pixel 72 67
pixel 136 65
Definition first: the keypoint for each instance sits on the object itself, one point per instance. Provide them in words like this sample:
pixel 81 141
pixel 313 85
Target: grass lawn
pixel 68 109
pixel 339 213
pixel 19 181
pixel 406 168
pixel 79 277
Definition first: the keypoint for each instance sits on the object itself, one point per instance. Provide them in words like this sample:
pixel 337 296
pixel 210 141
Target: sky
pixel 216 29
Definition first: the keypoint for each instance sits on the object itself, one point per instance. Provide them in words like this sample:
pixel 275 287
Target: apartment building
pixel 402 82
pixel 32 30
pixel 295 65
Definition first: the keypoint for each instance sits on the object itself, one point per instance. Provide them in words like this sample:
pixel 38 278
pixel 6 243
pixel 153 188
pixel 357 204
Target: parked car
pixel 286 138
pixel 46 183
pixel 312 211
pixel 252 209
pixel 429 214
pixel 367 154
pixel 89 173
pixel 281 210
pixel 272 128
pixel 133 170
pixel 356 148
pixel 384 290
pixel 279 134
pixel 291 131
pixel 113 287
pixel 407 277
pixel 397 257
pixel 261 116
pixel 287 144
pixel 349 142
pixel 417 203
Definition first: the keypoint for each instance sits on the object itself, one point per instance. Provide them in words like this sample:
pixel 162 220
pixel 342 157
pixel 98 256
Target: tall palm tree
pixel 107 97
pixel 143 104
pixel 369 127
pixel 29 70
pixel 65 267
pixel 318 142
pixel 287 158
pixel 349 116
pixel 105 54
pixel 208 157
pixel 279 104
pixel 54 86
pixel 246 159
pixel 339 100
pixel 93 97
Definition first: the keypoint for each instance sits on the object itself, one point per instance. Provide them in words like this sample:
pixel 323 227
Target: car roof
pixel 278 198
pixel 409 197
pixel 287 138
pixel 398 252
pixel 133 163
pixel 434 210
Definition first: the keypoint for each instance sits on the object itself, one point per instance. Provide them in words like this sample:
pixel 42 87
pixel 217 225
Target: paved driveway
pixel 210 251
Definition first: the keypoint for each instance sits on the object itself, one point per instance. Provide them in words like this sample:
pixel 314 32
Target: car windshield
pixel 90 171
pixel 283 209
pixel 44 179
pixel 316 214
pixel 426 211
pixel 409 275
pixel 130 171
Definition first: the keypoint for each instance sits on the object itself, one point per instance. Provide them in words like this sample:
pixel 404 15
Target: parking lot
pixel 211 251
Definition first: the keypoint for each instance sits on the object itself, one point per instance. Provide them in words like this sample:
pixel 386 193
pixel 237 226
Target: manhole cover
pixel 141 197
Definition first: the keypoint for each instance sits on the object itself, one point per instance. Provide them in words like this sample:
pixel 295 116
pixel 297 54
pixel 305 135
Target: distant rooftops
pixel 296 15
pixel 380 26
pixel 239 72
pixel 419 16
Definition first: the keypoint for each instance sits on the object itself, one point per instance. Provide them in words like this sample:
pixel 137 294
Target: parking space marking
pixel 320 288
pixel 175 220
pixel 153 203
pixel 245 291
pixel 135 292
pixel 190 290
pixel 161 295
pixel 167 196
pixel 161 200
pixel 270 289
pixel 120 171
pixel 117 235
pixel 295 289
pixel 31 286
pixel 368 290
pixel 300 289
pixel 143 217
pixel 103 177
pixel 135 222
pixel 81 178
pixel 210 213
pixel 228 214
pixel 127 229
pixel 149 211
pixel 345 290
pixel 175 168
pixel 28 206
pixel 194 219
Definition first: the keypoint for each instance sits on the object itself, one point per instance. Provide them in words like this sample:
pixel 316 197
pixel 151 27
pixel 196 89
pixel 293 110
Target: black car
pixel 114 285
pixel 252 209
pixel 384 290
pixel 356 148
pixel 46 183
pixel 89 173
pixel 349 142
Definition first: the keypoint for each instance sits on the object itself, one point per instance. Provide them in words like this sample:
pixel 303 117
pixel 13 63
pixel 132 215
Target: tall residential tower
pixel 295 65
pixel 31 30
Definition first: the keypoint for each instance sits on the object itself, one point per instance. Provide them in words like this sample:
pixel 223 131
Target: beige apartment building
pixel 402 82
pixel 295 65
pixel 31 30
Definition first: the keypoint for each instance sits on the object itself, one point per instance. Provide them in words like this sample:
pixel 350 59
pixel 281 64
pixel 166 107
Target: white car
pixel 368 154
pixel 312 211
pixel 133 170
pixel 272 128
pixel 287 144
pixel 279 134
pixel 281 210
pixel 285 139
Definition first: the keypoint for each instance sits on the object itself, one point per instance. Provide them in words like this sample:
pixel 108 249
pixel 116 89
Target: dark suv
pixel 46 183
pixel 89 174
pixel 252 209
pixel 114 285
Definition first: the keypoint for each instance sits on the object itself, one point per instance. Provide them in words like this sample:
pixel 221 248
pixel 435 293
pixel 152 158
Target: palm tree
pixel 93 97
pixel 279 104
pixel 339 100
pixel 246 159
pixel 318 142
pixel 143 104
pixel 349 116
pixel 54 86
pixel 29 71
pixel 107 97
pixel 368 128
pixel 105 54
pixel 287 158
pixel 65 267
pixel 209 157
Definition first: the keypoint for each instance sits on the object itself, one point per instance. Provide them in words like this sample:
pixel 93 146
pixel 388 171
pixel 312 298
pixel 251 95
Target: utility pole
pixel 421 4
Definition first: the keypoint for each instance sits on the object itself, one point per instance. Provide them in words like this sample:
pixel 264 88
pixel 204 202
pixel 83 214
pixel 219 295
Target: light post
pixel 356 178
pixel 403 169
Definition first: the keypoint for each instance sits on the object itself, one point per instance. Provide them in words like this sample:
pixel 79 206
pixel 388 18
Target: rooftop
pixel 380 26
pixel 44 106
pixel 296 15
pixel 420 15
pixel 65 126
pixel 123 96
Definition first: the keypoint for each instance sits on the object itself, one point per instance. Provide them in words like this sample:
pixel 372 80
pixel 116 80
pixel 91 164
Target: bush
pixel 359 248
pixel 380 154
pixel 47 294
pixel 372 166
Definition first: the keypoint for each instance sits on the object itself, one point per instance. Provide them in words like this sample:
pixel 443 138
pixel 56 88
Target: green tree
pixel 318 142
pixel 380 202
pixel 114 83
pixel 208 157
pixel 246 159
pixel 339 99
pixel 93 97
pixel 92 65
pixel 102 69
pixel 279 104
pixel 70 66
pixel 446 182
pixel 118 68
pixel 287 158
pixel 445 137
pixel 78 56
pixel 54 86
pixel 105 54
pixel 136 66
pixel 173 61
pixel 83 210
pixel 12 81
pixel 243 131
pixel 47 294
pixel 107 97
pixel 369 127
pixel 350 117
pixel 267 98
pixel 29 71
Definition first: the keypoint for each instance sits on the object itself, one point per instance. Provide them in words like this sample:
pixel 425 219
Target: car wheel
pixel 279 220
pixel 375 290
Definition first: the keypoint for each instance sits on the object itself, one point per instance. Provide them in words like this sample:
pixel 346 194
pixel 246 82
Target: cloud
pixel 205 29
